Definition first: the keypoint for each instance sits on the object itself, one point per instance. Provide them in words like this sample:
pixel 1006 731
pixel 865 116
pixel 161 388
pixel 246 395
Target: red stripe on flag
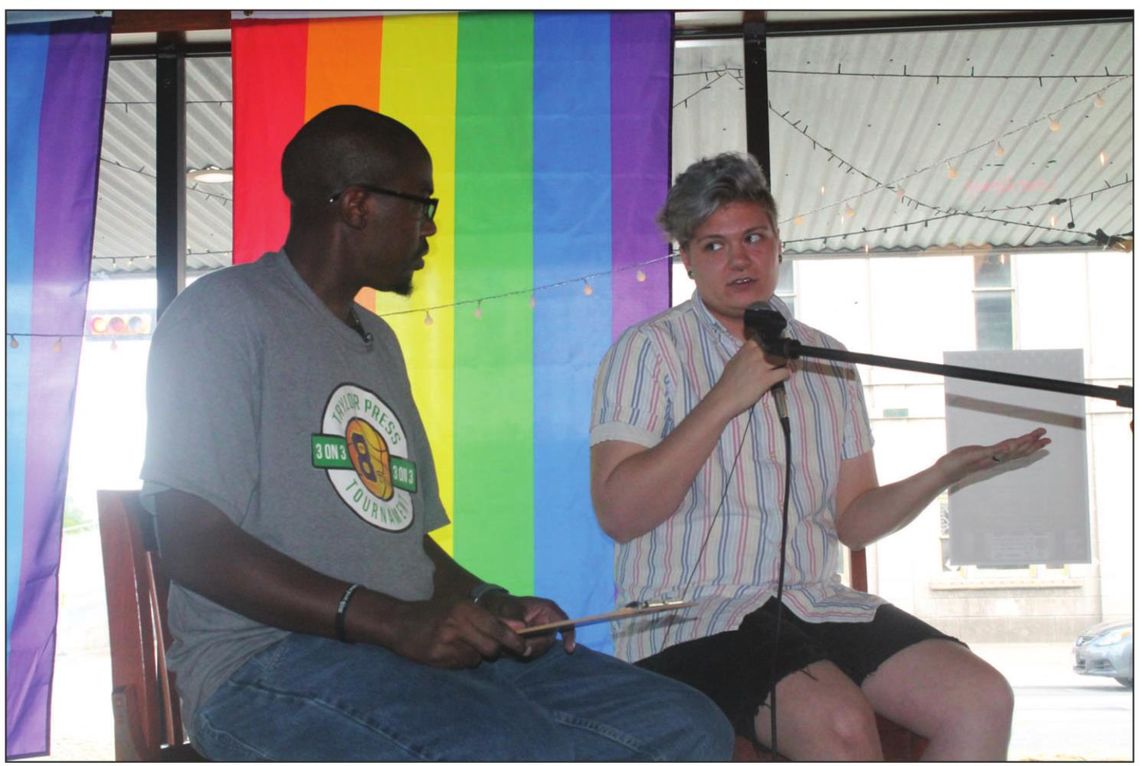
pixel 268 79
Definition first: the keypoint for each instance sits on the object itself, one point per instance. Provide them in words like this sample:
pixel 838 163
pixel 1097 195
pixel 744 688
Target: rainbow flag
pixel 56 79
pixel 549 134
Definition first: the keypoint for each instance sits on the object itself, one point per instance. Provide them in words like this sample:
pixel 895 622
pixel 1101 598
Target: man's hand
pixel 959 463
pixel 524 611
pixel 451 633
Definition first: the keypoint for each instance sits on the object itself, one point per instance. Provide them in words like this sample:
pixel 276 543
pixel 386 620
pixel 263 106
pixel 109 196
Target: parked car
pixel 1105 650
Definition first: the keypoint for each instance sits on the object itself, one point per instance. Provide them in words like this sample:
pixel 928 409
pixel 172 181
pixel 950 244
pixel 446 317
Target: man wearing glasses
pixel 293 488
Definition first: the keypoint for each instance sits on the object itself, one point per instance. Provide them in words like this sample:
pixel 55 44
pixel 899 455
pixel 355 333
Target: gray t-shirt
pixel 263 403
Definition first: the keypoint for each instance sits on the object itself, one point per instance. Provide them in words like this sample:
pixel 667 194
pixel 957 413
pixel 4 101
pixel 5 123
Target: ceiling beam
pixel 917 23
pixel 128 22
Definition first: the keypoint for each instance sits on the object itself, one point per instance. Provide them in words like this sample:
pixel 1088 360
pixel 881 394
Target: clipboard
pixel 634 609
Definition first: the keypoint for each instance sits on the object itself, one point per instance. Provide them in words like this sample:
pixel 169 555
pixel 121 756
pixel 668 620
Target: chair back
pixel 147 714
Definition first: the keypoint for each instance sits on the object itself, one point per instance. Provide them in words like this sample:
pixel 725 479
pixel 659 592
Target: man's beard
pixel 403 288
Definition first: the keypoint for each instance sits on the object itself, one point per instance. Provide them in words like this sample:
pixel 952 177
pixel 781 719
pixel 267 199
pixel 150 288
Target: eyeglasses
pixel 430 204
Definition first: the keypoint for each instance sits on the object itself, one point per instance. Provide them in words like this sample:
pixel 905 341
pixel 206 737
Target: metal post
pixel 756 88
pixel 170 168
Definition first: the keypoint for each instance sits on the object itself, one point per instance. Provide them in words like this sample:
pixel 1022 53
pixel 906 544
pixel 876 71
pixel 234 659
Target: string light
pixel 848 212
pixel 999 150
pixel 1103 159
pixel 58 345
pixel 587 289
pixel 479 310
pixel 640 275
pixel 798 220
pixel 13 343
pixel 1098 101
pixel 1054 124
pixel 900 193
pixel 951 171
pixel 879 184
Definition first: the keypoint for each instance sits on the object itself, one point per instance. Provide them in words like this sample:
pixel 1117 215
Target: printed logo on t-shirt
pixel 364 450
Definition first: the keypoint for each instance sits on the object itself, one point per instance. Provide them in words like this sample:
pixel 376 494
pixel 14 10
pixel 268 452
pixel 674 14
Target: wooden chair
pixel 148 721
pixel 898 743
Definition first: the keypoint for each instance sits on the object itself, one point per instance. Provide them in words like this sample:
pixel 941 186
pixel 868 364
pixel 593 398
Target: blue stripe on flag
pixel 572 237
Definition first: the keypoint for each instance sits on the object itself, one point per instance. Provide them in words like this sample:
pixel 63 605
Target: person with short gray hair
pixel 688 469
pixel 708 184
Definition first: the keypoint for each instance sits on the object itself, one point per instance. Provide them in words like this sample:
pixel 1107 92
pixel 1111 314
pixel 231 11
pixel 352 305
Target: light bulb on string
pixel 900 193
pixel 427 318
pixel 587 290
pixel 13 343
pixel 1098 102
pixel 58 345
pixel 1053 220
pixel 1103 159
pixel 951 171
pixel 533 301
pixel 640 275
pixel 999 150
pixel 1054 125
pixel 798 220
pixel 479 310
pixel 848 212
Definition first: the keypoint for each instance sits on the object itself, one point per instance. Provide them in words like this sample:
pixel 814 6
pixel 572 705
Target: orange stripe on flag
pixel 344 63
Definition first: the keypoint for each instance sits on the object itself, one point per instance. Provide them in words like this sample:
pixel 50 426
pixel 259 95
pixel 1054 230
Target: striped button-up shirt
pixel 647 383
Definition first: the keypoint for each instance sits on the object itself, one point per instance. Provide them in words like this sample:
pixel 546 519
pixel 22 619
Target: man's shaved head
pixel 344 145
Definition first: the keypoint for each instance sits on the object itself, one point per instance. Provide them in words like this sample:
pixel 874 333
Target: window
pixel 993 302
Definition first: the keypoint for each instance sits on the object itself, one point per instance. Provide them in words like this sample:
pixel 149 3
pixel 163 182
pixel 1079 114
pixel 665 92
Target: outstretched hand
pixel 959 463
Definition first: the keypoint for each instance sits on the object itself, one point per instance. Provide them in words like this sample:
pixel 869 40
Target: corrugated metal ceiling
pixel 911 141
pixel 866 132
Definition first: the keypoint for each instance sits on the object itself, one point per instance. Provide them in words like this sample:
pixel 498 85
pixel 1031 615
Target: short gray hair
pixel 706 185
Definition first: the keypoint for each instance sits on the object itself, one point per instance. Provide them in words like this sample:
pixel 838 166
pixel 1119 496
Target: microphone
pixel 766 325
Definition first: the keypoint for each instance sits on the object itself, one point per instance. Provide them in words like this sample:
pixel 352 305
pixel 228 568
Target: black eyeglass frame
pixel 430 204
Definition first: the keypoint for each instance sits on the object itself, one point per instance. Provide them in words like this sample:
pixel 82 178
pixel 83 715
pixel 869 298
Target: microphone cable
pixel 785 424
pixel 712 524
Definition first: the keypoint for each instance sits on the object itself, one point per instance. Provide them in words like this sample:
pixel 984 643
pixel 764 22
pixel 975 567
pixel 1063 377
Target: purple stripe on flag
pixel 67 177
pixel 641 54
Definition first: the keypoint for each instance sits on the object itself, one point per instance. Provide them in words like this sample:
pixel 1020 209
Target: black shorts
pixel 735 669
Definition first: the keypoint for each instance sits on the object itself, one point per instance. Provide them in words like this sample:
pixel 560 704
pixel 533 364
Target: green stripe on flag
pixel 494 461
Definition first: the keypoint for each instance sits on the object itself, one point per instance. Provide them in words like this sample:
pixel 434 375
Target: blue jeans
pixel 314 699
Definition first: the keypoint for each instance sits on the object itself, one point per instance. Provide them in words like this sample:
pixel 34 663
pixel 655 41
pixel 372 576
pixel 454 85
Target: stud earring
pixel 690 273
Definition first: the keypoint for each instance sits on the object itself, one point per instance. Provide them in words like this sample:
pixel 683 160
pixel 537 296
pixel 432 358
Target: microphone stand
pixel 790 348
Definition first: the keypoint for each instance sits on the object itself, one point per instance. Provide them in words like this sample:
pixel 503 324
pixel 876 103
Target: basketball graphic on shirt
pixel 369 456
pixel 363 449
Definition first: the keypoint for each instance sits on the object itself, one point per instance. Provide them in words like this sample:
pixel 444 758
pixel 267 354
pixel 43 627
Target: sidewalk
pixel 1060 715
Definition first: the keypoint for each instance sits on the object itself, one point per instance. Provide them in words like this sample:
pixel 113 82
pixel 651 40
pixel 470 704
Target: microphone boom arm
pixel 790 348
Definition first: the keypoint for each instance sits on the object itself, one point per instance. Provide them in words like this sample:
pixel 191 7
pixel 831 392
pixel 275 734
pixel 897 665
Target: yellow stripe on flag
pixel 417 87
